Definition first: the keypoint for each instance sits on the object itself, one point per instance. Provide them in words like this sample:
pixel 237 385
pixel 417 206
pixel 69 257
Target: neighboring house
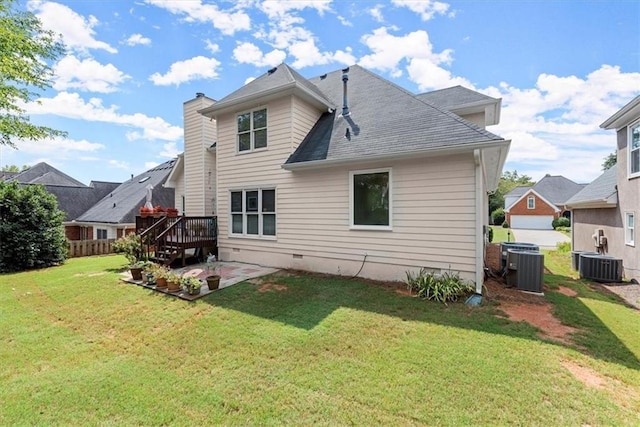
pixel 346 173
pixel 115 214
pixel 74 198
pixel 537 206
pixel 611 203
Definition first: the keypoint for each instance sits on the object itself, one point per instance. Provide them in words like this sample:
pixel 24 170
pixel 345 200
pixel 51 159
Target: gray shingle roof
pixel 123 203
pixel 557 189
pixel 74 201
pixel 43 173
pixel 518 191
pixel 385 120
pixel 454 97
pixel 602 189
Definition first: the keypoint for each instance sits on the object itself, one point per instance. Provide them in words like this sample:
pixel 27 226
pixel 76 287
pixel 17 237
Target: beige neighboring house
pixel 610 205
pixel 345 173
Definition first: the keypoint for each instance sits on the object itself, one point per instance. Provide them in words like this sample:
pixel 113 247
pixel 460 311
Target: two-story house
pixel 610 204
pixel 345 173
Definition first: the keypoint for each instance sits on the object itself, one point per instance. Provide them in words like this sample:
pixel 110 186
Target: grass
pixel 500 234
pixel 81 347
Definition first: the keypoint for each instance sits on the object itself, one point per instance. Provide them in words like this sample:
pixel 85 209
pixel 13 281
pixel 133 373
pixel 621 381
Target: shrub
pixel 563 247
pixel 489 234
pixel 130 246
pixel 561 222
pixel 31 230
pixel 497 216
pixel 505 224
pixel 439 287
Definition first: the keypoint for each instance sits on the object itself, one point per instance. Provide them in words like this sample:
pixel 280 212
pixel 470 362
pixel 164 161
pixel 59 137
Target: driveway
pixel 545 239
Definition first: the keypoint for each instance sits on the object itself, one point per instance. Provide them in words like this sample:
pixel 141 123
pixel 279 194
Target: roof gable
pixel 557 189
pixel 532 192
pixel 602 192
pixel 384 120
pixel 43 173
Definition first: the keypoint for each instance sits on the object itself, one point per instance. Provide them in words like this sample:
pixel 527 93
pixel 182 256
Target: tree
pixel 609 161
pixel 26 50
pixel 31 231
pixel 508 182
pixel 14 168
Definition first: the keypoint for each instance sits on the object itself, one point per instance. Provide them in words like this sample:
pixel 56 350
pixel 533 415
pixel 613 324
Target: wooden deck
pixel 167 239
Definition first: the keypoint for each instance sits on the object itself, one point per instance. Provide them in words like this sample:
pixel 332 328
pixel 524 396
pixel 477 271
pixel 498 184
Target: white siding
pixel 433 209
pixel 199 164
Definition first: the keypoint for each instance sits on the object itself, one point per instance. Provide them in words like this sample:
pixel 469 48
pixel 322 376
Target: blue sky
pixel 560 67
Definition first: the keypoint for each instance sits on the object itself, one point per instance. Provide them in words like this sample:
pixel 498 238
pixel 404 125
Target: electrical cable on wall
pixel 361 267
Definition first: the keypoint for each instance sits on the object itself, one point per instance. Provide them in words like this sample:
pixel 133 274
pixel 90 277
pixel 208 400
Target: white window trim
pixel 627 241
pixel 251 131
pixel 533 205
pixel 629 135
pixel 353 226
pixel 244 234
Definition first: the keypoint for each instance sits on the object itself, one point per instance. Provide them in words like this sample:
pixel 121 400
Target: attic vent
pixel 345 104
pixel 322 77
pixel 146 178
pixel 273 70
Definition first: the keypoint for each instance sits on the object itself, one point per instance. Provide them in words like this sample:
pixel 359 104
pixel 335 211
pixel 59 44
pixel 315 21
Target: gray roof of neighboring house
pixel 4 176
pixel 602 189
pixel 43 173
pixel 557 189
pixel 74 201
pixel 123 203
pixel 384 120
pixel 455 97
pixel 518 191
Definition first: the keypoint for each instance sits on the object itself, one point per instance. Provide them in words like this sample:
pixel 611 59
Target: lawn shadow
pixel 305 300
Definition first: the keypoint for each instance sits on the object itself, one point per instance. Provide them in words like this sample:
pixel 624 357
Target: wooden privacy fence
pixel 78 248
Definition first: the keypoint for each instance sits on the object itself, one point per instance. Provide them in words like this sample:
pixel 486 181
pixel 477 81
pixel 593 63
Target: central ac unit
pixel 600 268
pixel 519 246
pixel 525 270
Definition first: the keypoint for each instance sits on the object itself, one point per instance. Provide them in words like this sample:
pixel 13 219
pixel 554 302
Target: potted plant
pixel 191 285
pixel 173 282
pixel 137 268
pixel 145 211
pixel 172 213
pixel 213 282
pixel 160 273
pixel 131 247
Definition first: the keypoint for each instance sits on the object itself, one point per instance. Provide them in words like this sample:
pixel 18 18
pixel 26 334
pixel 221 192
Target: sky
pixel 560 67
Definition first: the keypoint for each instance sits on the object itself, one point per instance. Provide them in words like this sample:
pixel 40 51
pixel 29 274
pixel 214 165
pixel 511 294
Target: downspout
pixel 479 223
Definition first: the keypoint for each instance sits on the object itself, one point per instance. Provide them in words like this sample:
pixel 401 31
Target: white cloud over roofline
pixel 198 67
pixel 71 105
pixel 249 53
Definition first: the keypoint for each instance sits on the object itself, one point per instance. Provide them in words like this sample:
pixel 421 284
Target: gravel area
pixel 628 292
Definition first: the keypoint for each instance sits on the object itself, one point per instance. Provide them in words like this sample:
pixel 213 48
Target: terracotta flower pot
pixel 173 286
pixel 161 283
pixel 136 273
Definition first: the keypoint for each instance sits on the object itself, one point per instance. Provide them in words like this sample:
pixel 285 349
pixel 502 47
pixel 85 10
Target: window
pixel 252 130
pixel 371 199
pixel 634 149
pixel 253 212
pixel 101 233
pixel 531 202
pixel 629 229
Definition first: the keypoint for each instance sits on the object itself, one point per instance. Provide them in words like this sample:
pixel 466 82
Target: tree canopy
pixel 26 52
pixel 14 168
pixel 508 182
pixel 609 161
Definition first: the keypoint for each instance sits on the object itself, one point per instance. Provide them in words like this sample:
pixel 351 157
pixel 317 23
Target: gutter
pixel 315 164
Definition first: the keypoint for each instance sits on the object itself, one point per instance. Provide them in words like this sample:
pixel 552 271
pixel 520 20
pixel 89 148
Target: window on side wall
pixel 370 199
pixel 101 233
pixel 252 130
pixel 634 149
pixel 630 229
pixel 531 202
pixel 253 213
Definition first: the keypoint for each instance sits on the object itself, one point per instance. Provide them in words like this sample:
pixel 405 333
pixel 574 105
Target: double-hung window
pixel 252 130
pixel 531 202
pixel 370 199
pixel 634 149
pixel 630 229
pixel 253 212
pixel 101 233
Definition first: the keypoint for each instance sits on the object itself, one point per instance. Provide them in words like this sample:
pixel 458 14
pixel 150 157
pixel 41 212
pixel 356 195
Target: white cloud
pixel 87 75
pixel 136 39
pixel 70 105
pixel 211 46
pixel 277 9
pixel 306 54
pixel 58 147
pixel 376 13
pixel 344 21
pixel 425 8
pixel 170 150
pixel 77 31
pixel 119 164
pixel 249 53
pixel 198 67
pixel 415 50
pixel 228 22
pixel 150 165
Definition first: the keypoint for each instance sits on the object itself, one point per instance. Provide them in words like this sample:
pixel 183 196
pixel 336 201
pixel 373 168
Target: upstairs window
pixel 531 202
pixel 634 149
pixel 253 213
pixel 371 199
pixel 252 130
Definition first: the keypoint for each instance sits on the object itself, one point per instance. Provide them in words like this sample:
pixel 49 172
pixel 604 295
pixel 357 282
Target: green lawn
pixel 500 234
pixel 79 347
